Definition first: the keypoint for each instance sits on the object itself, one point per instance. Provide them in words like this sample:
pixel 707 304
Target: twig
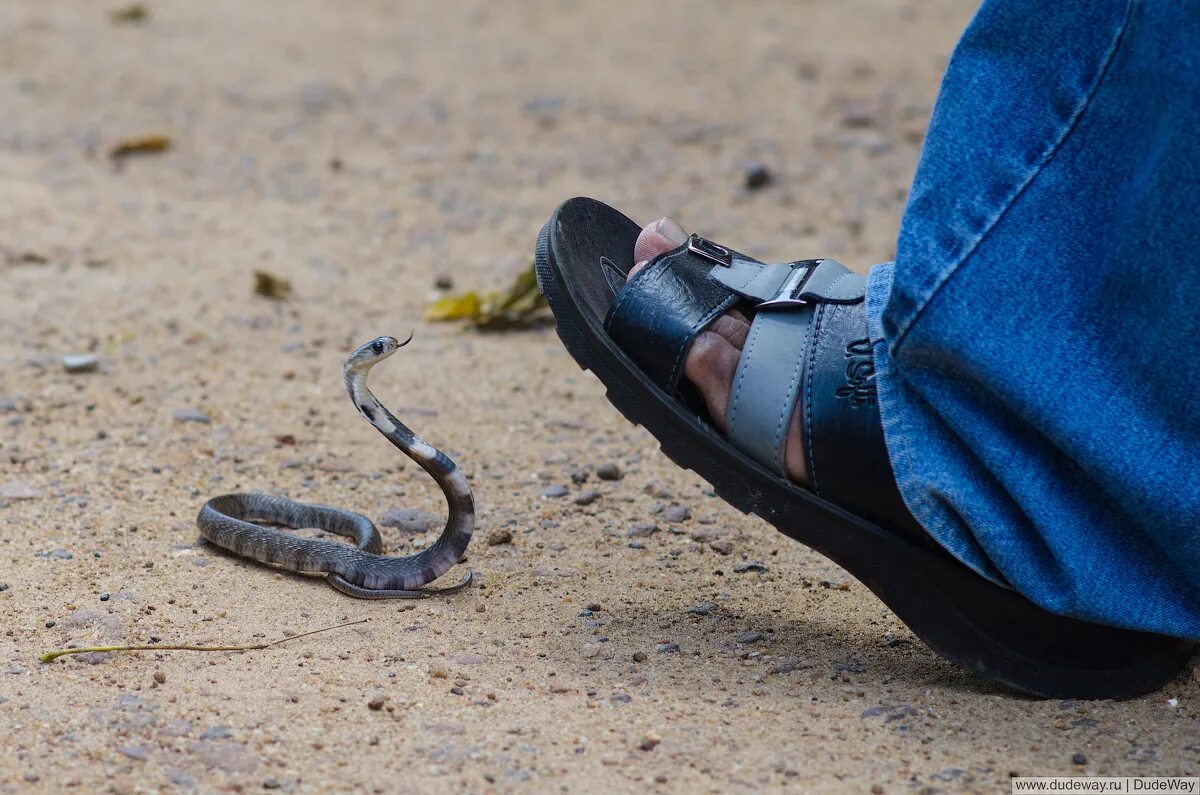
pixel 51 656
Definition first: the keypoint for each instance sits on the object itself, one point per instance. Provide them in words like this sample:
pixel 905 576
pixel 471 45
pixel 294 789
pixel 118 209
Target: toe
pixel 655 238
pixel 710 366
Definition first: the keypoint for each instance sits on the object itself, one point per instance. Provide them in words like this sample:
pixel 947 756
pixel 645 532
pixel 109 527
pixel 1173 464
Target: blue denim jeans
pixel 1037 339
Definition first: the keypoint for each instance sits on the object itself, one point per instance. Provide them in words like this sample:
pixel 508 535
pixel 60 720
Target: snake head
pixel 369 354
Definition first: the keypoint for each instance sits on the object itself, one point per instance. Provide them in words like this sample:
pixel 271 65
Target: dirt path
pixel 362 150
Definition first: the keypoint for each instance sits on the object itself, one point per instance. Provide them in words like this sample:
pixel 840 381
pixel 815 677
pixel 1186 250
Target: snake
pixel 362 570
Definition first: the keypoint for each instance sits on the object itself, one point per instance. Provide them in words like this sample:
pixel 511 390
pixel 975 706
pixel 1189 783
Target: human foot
pixel 711 363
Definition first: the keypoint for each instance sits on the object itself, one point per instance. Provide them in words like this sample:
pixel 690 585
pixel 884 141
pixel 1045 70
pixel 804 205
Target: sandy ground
pixel 363 149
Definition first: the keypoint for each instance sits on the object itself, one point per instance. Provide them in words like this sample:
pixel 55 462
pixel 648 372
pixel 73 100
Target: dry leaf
pixel 506 309
pixel 268 285
pixel 137 12
pixel 140 145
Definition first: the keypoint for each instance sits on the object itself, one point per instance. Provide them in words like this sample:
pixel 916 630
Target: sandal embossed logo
pixel 860 374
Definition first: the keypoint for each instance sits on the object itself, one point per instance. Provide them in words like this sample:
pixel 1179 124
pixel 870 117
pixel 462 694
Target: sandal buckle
pixel 792 286
pixel 704 247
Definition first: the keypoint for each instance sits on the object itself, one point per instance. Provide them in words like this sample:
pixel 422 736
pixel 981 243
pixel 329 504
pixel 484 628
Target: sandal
pixel 808 347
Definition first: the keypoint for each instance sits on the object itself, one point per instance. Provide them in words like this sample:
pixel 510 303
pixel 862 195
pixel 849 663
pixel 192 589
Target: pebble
pixel 677 513
pixel 590 650
pixel 555 491
pixel 667 648
pixel 639 656
pixel 636 545
pixel 754 566
pixel 641 531
pixel 787 665
pixel 499 536
pixel 217 733
pixel 587 497
pixel 444 283
pixel 757 175
pixel 230 757
pixel 271 783
pixel 409 520
pixel 650 742
pixel 751 636
pixel 609 472
pixel 137 752
pixel 375 703
pixel 104 597
pixel 722 546
pixel 80 363
pixel 160 677
pixel 595 607
pixel 557 458
pixel 703 608
pixel 470 659
pixel 190 415
pixel 19 490
pixel 3 586
pixel 1079 759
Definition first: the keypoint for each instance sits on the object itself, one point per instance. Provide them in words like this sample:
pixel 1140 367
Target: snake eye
pixel 377 347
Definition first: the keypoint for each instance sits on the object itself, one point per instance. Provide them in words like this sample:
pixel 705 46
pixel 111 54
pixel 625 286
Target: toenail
pixel 671 231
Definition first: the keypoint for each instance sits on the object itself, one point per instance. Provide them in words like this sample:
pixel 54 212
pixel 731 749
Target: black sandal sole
pixel 966 619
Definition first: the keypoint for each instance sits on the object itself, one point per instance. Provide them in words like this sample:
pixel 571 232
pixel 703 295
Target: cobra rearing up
pixel 228 520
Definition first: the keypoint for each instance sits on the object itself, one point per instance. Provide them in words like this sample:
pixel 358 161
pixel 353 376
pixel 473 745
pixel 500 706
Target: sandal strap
pixel 808 347
pixel 657 315
pixel 777 361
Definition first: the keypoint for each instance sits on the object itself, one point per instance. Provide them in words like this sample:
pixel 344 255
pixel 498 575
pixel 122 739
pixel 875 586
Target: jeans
pixel 1037 338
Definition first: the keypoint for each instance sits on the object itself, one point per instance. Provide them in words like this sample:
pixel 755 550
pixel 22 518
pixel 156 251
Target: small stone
pixel 230 757
pixel 409 520
pixel 499 536
pixel 595 607
pixel 786 666
pixel 752 566
pixel 104 597
pixel 667 648
pixel 190 415
pixel 591 650
pixel 456 690
pixel 376 703
pixel 217 733
pixel 639 656
pixel 271 783
pixel 609 472
pixel 19 490
pixel 876 789
pixel 555 491
pixel 650 742
pixel 51 624
pixel 561 457
pixel 137 752
pixel 3 586
pixel 722 546
pixel 444 282
pixel 703 608
pixel 1079 759
pixel 160 677
pixel 676 514
pixel 60 554
pixel 751 636
pixel 587 497
pixel 636 545
pixel 757 175
pixel 641 531
pixel 80 363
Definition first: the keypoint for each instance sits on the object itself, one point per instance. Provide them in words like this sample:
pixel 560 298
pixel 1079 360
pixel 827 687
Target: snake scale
pixel 362 571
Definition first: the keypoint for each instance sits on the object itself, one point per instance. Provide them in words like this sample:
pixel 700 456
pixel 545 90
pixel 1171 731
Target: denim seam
pixel 1068 128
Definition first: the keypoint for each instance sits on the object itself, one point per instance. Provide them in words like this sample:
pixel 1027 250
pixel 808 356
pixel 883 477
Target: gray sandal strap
pixel 766 385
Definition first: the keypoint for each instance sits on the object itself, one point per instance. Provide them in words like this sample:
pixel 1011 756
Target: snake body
pixel 362 571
